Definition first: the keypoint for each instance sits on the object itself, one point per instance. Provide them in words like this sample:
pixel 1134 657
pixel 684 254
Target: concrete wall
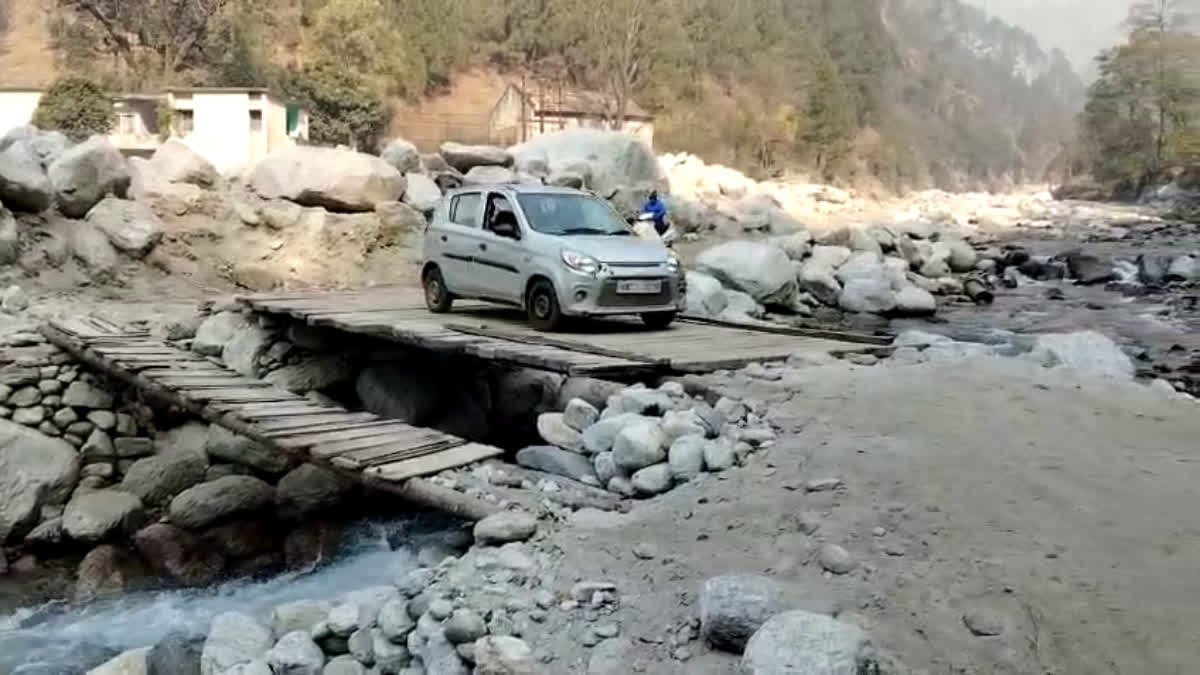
pixel 222 128
pixel 136 125
pixel 643 130
pixel 16 108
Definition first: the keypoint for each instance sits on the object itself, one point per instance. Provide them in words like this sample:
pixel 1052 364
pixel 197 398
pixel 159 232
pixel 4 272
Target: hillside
pixel 898 93
pixel 1080 28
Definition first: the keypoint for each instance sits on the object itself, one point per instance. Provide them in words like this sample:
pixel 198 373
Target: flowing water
pixel 59 639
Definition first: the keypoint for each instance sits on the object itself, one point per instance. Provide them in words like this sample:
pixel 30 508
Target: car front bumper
pixel 598 296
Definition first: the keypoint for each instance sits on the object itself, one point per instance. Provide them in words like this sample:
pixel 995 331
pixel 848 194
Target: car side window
pixel 498 204
pixel 464 210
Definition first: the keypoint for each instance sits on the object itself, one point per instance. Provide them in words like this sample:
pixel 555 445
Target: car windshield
pixel 568 214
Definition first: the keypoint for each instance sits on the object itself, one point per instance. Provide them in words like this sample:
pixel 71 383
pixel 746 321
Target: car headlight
pixel 673 263
pixel 580 262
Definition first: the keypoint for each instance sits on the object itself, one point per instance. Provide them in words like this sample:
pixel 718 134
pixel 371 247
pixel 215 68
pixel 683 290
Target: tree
pixel 155 40
pixel 77 107
pixel 343 109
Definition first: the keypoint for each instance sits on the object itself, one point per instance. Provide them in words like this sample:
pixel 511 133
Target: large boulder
pixel 705 295
pixel 93 516
pixel 157 479
pixel 490 175
pixel 338 180
pixel 132 662
pixel 108 570
pixel 407 393
pixel 734 606
pixel 402 155
pixel 233 639
pixel 1086 352
pixel 559 462
pixel 466 157
pixel 210 502
pixel 178 554
pixel 23 182
pixel 35 471
pixel 312 374
pixel 86 173
pixel 421 192
pixel 224 445
pixel 613 159
pixel 93 250
pixel 813 644
pixel 130 226
pixel 309 489
pixel 504 655
pixel 10 238
pixel 760 270
pixel 638 445
pixel 296 654
pixel 176 162
pixel 175 654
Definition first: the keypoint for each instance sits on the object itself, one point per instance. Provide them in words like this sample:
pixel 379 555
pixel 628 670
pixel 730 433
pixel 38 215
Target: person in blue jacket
pixel 655 207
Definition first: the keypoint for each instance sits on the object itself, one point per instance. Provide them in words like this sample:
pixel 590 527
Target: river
pixel 68 640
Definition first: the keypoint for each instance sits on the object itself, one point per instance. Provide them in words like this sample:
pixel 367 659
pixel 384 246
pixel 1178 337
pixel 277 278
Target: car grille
pixel 610 298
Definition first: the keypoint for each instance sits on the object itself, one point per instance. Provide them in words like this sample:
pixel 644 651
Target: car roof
pixel 519 189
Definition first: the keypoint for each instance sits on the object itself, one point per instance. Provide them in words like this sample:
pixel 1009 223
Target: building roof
pixel 217 90
pixel 570 102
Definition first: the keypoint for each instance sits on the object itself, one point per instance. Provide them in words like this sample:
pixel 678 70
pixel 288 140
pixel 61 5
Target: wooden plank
pixel 330 427
pixel 311 440
pixel 423 466
pixel 237 396
pixel 365 459
pixel 214 373
pixel 259 411
pixel 226 382
pixel 361 449
pixel 546 341
pixel 805 331
pixel 313 422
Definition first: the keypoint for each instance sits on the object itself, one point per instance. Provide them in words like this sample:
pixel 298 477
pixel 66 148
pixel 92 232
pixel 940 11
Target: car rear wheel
pixel 542 308
pixel 658 320
pixel 437 298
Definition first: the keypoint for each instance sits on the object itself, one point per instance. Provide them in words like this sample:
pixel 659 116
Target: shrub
pixel 77 107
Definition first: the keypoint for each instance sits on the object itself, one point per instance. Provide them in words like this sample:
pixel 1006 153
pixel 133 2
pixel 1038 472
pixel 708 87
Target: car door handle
pixel 483 247
pixel 443 237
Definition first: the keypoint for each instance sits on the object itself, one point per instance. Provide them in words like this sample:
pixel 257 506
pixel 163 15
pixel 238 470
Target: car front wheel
pixel 542 308
pixel 658 320
pixel 437 298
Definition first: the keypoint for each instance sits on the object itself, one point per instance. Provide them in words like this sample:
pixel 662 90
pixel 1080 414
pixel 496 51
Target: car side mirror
pixel 506 229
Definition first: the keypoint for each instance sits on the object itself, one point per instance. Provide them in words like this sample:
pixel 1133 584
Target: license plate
pixel 639 287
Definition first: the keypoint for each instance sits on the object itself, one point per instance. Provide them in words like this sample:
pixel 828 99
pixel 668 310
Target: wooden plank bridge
pixel 615 348
pixel 385 454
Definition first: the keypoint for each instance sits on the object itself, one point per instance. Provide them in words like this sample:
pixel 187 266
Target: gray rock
pixel 464 626
pixel 177 653
pixel 246 346
pixel 1183 268
pixel 48 533
pixel 601 436
pixel 466 157
pixel 225 445
pixel 402 155
pixel 131 227
pixel 215 332
pixel 705 295
pixel 553 429
pixel 718 455
pixel 504 655
pixel 156 480
pixel 85 174
pixel 412 394
pixel 868 294
pixel 638 445
pixel 175 162
pixel 413 582
pixel 622 486
pixel 501 528
pixel 361 644
pixel 394 621
pixel 207 503
pixel 605 466
pixel 93 516
pixel 912 300
pixel 490 175
pixel 609 160
pixel 984 622
pixel 312 374
pixel 762 271
pixel 339 180
pixel 132 662
pixel 25 397
pixel 734 606
pixel 346 665
pixel 550 459
pixel 614 656
pixel 14 300
pixel 300 615
pixel 422 193
pixel 131 448
pixel 390 658
pixel 802 642
pixel 440 609
pixel 835 559
pixel 10 238
pixel 35 471
pixel 233 639
pixel 680 423
pixel 309 489
pixel 590 389
pixel 1087 353
pixel 80 394
pixel 94 252
pixel 686 458
pixel 104 420
pixel 23 182
pixel 98 447
pixel 579 414
pixel 296 654
pixel 439 656
pixel 255 667
pixel 652 480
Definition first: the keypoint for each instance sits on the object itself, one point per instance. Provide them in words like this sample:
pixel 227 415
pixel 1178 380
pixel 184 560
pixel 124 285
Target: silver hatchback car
pixel 555 252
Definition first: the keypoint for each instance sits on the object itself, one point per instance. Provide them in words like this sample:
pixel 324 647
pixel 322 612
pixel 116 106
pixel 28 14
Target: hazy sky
pixel 1081 28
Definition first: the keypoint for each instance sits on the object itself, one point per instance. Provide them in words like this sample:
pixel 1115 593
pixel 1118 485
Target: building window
pixel 256 122
pixel 185 122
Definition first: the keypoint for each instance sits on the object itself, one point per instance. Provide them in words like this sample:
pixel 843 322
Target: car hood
pixel 618 249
